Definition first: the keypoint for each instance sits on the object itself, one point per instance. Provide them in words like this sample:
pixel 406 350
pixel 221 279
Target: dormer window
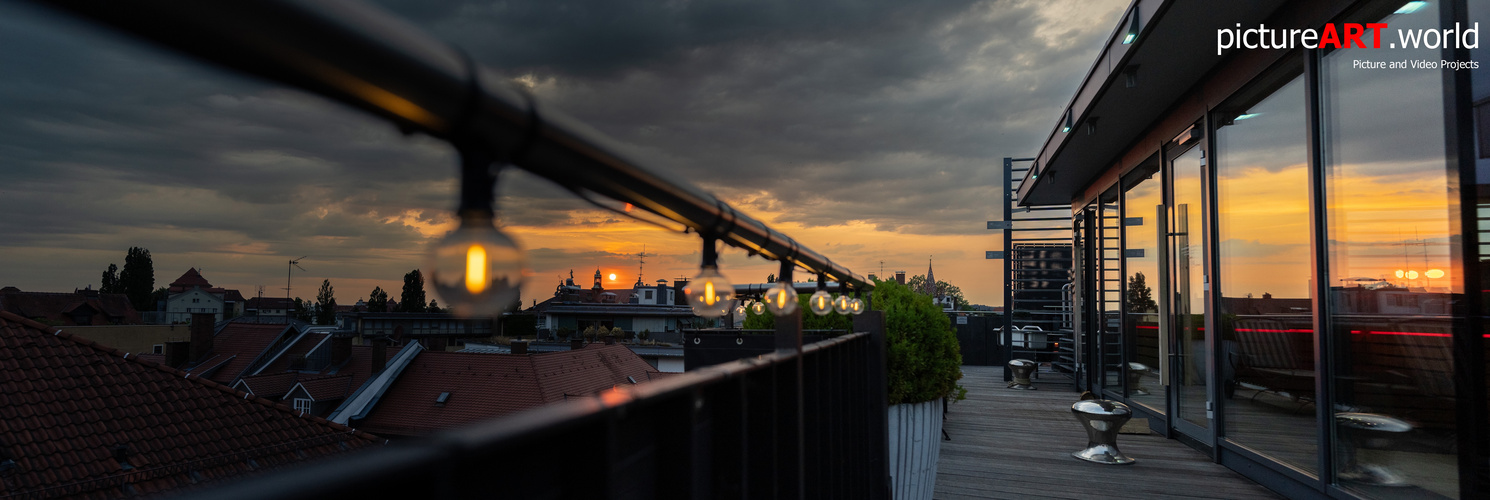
pixel 302 404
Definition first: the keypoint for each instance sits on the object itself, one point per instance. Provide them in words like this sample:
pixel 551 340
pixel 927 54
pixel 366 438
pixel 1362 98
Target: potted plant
pixel 923 365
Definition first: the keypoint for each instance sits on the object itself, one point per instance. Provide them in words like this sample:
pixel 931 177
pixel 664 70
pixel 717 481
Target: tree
pixel 1140 296
pixel 943 289
pixel 771 278
pixel 110 280
pixel 412 299
pixel 302 310
pixel 137 280
pixel 434 306
pixel 377 301
pixel 326 304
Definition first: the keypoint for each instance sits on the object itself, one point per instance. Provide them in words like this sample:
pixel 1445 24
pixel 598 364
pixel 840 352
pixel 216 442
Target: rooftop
pixel 81 420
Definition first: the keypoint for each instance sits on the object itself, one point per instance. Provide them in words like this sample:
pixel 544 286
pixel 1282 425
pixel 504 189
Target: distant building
pixel 436 331
pixel 81 307
pixel 191 293
pixel 95 422
pixel 656 309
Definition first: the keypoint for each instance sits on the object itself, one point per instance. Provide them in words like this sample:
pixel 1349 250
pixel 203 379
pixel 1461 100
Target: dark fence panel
pixel 721 432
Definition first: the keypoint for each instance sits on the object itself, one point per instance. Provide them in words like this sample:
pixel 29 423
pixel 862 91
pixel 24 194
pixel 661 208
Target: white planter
pixel 915 445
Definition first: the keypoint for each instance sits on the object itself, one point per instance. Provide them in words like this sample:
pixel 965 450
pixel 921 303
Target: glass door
pixel 1189 340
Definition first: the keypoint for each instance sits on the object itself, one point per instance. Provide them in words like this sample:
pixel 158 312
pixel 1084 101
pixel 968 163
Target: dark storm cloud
pixel 891 113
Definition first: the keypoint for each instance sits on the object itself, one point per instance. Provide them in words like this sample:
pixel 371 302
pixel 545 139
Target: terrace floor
pixel 1017 444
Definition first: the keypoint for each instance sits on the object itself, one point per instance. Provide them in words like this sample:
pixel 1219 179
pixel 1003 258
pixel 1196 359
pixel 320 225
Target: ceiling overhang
pixel 1129 88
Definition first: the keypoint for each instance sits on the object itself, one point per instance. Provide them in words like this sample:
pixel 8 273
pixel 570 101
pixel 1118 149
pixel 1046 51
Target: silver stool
pixel 1022 368
pixel 1135 379
pixel 1102 419
pixel 1355 430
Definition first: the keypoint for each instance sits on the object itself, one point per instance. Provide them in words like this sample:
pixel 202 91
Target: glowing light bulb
pixel 1434 273
pixel 476 269
pixel 856 306
pixel 709 294
pixel 841 304
pixel 759 308
pixel 1400 274
pixel 1412 275
pixel 821 303
pixel 781 298
pixel 740 310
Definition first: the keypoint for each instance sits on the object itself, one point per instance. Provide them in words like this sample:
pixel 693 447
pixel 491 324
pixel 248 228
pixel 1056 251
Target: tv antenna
pixel 641 263
pixel 289 269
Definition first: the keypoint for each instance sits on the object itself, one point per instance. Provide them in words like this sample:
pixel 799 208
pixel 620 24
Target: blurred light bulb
pixel 856 306
pixel 759 308
pixel 709 294
pixel 821 303
pixel 781 299
pixel 841 304
pixel 1434 273
pixel 476 269
pixel 740 309
pixel 1412 275
pixel 1400 273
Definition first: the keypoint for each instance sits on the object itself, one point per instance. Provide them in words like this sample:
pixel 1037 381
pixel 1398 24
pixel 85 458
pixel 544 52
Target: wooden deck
pixel 1017 444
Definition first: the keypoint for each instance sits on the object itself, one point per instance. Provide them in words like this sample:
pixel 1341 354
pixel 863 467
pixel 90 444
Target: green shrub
pixel 923 359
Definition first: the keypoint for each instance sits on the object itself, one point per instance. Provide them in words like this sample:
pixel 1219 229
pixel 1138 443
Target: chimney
pixel 679 299
pixel 900 277
pixel 576 344
pixel 519 347
pixel 341 349
pixel 201 335
pixel 177 354
pixel 379 355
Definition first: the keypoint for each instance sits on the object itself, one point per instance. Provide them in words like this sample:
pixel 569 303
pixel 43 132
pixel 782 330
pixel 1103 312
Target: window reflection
pixel 1262 178
pixel 1389 210
pixel 1143 199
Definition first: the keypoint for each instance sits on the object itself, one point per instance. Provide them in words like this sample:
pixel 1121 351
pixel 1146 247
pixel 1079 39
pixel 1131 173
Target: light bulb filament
pixel 475 269
pixel 709 297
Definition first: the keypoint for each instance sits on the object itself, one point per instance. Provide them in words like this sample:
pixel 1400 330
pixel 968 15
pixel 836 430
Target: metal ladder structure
pixel 1037 254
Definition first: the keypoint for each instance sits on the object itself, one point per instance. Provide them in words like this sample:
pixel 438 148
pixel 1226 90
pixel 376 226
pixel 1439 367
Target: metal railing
pixel 802 422
pixel 727 431
pixel 370 60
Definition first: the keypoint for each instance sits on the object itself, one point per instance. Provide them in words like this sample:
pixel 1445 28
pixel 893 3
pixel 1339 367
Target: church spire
pixel 930 286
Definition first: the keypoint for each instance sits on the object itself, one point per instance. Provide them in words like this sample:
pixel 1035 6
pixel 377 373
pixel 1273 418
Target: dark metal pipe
pixel 370 60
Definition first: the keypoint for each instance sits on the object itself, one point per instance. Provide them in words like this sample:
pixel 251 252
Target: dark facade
pixel 1292 235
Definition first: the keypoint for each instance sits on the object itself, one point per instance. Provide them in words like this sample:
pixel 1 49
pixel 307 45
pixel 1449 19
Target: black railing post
pixel 789 440
pixel 877 459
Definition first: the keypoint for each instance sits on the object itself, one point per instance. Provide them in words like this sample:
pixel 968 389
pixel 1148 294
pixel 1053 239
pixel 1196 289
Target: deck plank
pixel 1018 444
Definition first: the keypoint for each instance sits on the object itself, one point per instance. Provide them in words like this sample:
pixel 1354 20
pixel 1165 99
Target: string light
pixel 476 269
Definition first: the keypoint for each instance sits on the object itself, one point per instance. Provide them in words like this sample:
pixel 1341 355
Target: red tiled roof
pixel 153 358
pixel 233 295
pixel 66 403
pixel 190 279
pixel 107 308
pixel 300 349
pixel 243 343
pixel 269 303
pixel 486 386
pixel 330 388
pixel 273 385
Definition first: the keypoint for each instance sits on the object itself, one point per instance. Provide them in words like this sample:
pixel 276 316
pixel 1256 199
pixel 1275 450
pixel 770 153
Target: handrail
pixel 368 59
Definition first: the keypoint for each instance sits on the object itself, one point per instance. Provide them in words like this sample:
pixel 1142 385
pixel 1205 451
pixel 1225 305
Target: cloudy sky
pixel 871 131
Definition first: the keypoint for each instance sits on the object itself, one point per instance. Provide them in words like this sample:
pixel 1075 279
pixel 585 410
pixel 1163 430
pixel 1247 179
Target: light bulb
pixel 740 309
pixel 821 303
pixel 841 304
pixel 709 294
pixel 477 269
pixel 856 306
pixel 759 308
pixel 781 299
pixel 1412 275
pixel 1434 273
pixel 1400 273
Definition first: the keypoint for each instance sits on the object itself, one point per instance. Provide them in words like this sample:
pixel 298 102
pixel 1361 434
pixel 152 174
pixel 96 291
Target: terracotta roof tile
pixel 486 386
pixel 68 403
pixel 273 385
pixel 242 343
pixel 331 388
pixel 190 279
pixel 101 308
